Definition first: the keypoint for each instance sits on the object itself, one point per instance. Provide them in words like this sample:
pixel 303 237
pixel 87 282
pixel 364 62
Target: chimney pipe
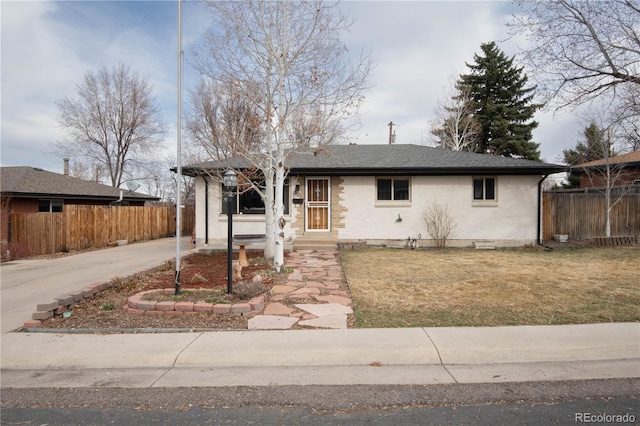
pixel 66 166
pixel 392 134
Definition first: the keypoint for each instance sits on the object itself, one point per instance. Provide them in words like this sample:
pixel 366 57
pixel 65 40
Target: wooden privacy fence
pixel 80 227
pixel 582 215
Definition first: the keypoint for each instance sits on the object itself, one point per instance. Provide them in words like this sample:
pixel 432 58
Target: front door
pixel 318 204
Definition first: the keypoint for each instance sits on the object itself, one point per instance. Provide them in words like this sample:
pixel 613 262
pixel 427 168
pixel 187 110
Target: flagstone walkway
pixel 314 296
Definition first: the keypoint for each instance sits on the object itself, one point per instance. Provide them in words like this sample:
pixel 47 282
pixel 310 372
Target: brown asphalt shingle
pixel 31 181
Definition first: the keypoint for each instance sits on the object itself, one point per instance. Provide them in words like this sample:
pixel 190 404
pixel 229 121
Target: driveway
pixel 25 283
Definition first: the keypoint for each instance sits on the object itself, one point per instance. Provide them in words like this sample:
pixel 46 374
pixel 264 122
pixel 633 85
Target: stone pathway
pixel 315 294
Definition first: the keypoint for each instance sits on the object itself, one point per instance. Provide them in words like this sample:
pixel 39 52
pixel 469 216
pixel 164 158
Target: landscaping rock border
pixel 64 303
pixel 137 306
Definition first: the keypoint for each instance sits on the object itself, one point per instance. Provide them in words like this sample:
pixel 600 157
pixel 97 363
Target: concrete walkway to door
pixel 25 283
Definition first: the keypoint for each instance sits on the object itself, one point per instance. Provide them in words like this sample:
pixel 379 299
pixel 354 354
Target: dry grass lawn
pixel 416 288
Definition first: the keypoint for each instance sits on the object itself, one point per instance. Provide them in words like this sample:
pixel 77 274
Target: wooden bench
pixel 244 240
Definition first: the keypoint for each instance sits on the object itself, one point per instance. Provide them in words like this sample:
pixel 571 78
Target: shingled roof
pixel 32 182
pixel 392 159
pixel 631 159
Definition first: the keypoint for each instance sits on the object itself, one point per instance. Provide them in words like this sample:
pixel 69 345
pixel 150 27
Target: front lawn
pixel 460 287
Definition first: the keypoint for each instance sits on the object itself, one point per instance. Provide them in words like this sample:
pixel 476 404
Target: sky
pixel 48 46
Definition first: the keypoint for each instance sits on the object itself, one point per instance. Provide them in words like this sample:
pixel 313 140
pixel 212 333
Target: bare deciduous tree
pixel 114 121
pixel 626 116
pixel 455 126
pixel 581 50
pixel 157 179
pixel 288 60
pixel 629 133
pixel 440 224
pixel 607 174
pixel 222 120
pixel 86 170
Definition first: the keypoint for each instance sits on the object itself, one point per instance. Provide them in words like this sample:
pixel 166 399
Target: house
pixel 625 169
pixel 33 190
pixel 378 194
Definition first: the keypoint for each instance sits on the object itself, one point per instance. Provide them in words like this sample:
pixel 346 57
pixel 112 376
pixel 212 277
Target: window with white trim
pixel 484 189
pixel 393 189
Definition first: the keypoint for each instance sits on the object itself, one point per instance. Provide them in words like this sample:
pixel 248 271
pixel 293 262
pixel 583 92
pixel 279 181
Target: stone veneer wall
pixel 338 208
pixel 297 210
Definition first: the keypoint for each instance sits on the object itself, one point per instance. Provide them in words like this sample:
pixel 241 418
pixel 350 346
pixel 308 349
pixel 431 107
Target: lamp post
pixel 230 182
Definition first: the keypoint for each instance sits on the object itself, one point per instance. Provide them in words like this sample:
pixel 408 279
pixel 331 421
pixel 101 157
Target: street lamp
pixel 230 182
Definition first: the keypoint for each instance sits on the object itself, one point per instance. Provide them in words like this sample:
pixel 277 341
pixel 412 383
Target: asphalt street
pixel 532 403
pixel 564 413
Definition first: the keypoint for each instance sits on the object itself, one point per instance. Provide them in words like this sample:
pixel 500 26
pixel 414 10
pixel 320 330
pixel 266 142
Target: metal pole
pixel 178 153
pixel 229 241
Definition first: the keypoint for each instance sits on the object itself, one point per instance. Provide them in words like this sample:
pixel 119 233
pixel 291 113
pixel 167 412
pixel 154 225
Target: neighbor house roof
pixel 33 182
pixel 392 159
pixel 631 159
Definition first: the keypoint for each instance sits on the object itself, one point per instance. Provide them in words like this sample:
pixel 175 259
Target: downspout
pixel 206 210
pixel 539 233
pixel 119 200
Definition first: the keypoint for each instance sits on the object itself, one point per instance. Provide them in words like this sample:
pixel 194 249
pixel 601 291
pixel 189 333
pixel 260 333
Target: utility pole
pixel 392 135
pixel 179 154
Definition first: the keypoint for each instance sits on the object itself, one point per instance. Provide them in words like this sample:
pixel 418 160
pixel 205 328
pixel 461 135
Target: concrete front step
pixel 315 246
pixel 316 242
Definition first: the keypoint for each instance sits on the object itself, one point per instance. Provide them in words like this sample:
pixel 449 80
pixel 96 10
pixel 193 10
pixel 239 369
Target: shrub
pixel 440 223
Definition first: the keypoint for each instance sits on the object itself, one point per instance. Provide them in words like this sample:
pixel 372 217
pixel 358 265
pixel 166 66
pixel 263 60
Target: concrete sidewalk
pixel 322 357
pixel 25 283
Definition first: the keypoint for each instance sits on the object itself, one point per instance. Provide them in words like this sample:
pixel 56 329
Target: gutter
pixel 442 171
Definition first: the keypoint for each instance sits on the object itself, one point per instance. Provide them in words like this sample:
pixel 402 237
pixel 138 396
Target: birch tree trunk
pixel 304 82
pixel 280 222
pixel 269 216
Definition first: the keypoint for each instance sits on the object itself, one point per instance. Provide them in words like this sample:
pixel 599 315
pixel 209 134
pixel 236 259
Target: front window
pixel 249 201
pixel 392 189
pixel 484 189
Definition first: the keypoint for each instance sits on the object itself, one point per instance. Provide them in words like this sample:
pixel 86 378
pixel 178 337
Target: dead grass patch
pixel 403 288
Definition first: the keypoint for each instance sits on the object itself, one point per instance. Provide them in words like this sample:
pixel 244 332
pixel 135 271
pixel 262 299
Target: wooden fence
pixel 582 215
pixel 80 227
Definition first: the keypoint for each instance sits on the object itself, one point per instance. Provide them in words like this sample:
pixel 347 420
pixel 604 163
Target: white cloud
pixel 37 69
pixel 48 46
pixel 418 46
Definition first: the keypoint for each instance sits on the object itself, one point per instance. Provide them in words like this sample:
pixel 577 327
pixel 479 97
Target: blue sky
pixel 47 46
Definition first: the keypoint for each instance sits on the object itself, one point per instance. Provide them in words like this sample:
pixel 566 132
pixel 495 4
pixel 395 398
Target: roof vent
pixel 38 169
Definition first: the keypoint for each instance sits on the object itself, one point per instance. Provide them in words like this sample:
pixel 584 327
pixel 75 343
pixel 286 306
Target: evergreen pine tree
pixel 593 147
pixel 503 105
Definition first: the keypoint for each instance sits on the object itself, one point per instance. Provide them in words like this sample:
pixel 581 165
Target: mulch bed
pixel 104 312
